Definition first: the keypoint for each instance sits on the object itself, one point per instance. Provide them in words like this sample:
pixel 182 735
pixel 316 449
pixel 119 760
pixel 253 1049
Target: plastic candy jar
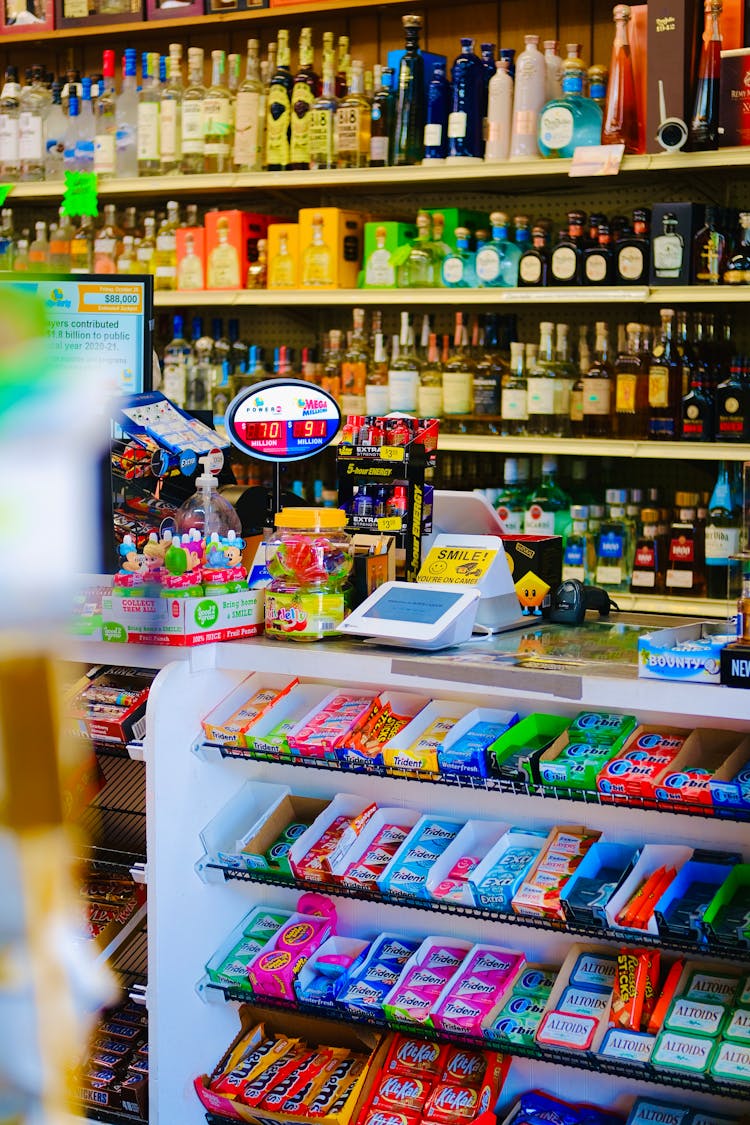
pixel 309 558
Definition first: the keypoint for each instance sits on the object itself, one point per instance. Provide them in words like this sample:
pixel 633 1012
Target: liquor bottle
pixel 732 405
pixel 86 129
pixel 430 392
pixel 165 255
pixel 458 375
pixel 553 70
pixel 146 248
pixel 55 136
pixel 175 364
pixel 569 120
pixel 737 270
pixel 354 365
pixel 59 245
pixel 410 102
pixel 149 105
pixel 620 125
pixel 437 117
pixel 632 251
pixel 697 407
pixel 631 388
pixel 685 350
pixel 353 123
pixel 576 552
pixel 668 249
pixel 220 393
pixel 566 376
pixel 704 124
pixel 35 102
pixel 70 141
pixel 499 114
pixel 685 574
pixel 541 381
pixel 257 270
pixel 404 371
pixel 234 66
pixel 343 65
pixel 250 115
pixel 193 130
pixel 528 100
pixel 218 119
pixel 709 251
pixel 268 64
pixel 614 544
pixel 107 242
pixel 598 400
pixel 279 109
pixel 458 269
pixel 377 400
pixel 418 271
pixel 510 502
pixel 598 261
pixel 304 92
pixel 648 560
pixel 466 118
pixel 39 250
pixel 489 374
pixel 489 69
pixel 722 536
pixel 200 370
pixel 126 119
pixel 497 263
pixel 533 265
pixel 105 115
pixel 597 78
pixel 514 412
pixel 82 244
pixel 171 113
pixel 565 260
pixel 239 350
pixel 322 132
pixel 21 255
pixel 665 383
pixel 547 505
pixel 382 119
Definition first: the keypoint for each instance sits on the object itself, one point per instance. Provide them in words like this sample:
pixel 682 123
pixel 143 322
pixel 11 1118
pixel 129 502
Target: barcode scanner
pixel 567 604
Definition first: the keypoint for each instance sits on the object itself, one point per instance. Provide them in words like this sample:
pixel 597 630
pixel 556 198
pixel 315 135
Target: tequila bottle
pixel 631 387
pixel 34 106
pixel 190 269
pixel 59 245
pixel 436 124
pixel 317 258
pixel 665 383
pixel 380 272
pixel 149 105
pixel 410 104
pixel 250 115
pixel 418 271
pixel 382 119
pixel 458 374
pixel 704 124
pixel 632 252
pixel 457 271
pixel 404 372
pixel 598 261
pixel 528 100
pixel 146 248
pixel 193 132
pixel 597 76
pixel 565 261
pixel 322 135
pixel 55 136
pixel 499 114
pixel 257 270
pixel 105 114
pixel 304 92
pixel 541 387
pixel 570 120
pixel 514 410
pixel 598 401
pixel 107 242
pixel 218 119
pixel 283 272
pixel 497 262
pixel 171 113
pixel 279 109
pixel 353 123
pixel 343 65
pixel 82 247
pixel 430 394
pixel 553 70
pixel 354 366
pixel 377 396
pixel 466 119
pixel 620 125
pixel 165 255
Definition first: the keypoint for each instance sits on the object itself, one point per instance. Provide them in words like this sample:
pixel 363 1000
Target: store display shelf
pixel 733 952
pixel 702 1083
pixel 92 1113
pixel 132 750
pixel 643 450
pixel 482 784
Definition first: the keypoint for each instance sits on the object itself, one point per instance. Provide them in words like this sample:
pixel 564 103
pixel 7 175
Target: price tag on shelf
pixel 389 523
pixel 596 160
pixel 5 190
pixel 391 453
pixel 80 196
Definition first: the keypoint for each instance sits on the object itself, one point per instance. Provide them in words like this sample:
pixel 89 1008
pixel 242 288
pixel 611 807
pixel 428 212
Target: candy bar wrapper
pixel 337 1086
pixel 402 1094
pixel 449 1105
pixel 416 1057
pixel 652 958
pixel 388 1117
pixel 267 1079
pixel 628 995
pixel 464 1068
pixel 305 1079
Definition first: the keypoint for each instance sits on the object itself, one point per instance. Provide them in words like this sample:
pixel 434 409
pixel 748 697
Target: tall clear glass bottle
pixel 35 104
pixel 55 134
pixel 631 387
pixel 598 399
pixel 193 132
pixel 382 119
pixel 218 119
pixel 353 123
pixel 458 374
pixel 404 371
pixel 165 255
pixel 86 129
pixel 105 115
pixel 620 125
pixel 514 395
pixel 410 103
pixel 323 153
pixel 354 367
pixel 430 395
pixel 418 271
pixel 377 398
pixel 149 105
pixel 171 113
pixel 126 116
pixel 541 386
pixel 250 117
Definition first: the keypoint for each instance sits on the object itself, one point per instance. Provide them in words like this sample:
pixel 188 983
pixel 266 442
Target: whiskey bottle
pixel 597 389
pixel 668 249
pixel 665 383
pixel 732 405
pixel 709 251
pixel 631 387
pixel 737 271
pixel 697 408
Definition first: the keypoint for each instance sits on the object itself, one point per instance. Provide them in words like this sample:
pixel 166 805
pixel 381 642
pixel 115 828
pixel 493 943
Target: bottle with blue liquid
pixel 466 119
pixel 436 123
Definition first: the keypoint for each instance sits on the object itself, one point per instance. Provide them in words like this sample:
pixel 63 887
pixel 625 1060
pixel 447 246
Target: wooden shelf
pixel 595 447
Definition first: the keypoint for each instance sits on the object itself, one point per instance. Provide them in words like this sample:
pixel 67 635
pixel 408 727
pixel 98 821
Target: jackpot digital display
pixel 283 420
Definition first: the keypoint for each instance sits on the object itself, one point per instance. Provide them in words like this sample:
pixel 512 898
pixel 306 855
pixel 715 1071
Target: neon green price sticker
pixel 5 190
pixel 80 196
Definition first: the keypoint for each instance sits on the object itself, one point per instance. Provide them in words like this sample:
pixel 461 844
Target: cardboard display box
pixel 283 268
pixel 79 13
pixel 672 251
pixel 182 621
pixel 16 17
pixel 191 257
pixel 687 780
pixel 535 563
pixel 156 10
pixel 231 244
pixel 330 248
pixel 661 658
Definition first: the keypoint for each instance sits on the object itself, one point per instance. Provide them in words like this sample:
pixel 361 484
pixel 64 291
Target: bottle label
pixel 193 143
pixel 658 387
pixel 721 544
pixel 148 131
pixel 145 254
pixel 562 397
pixel 556 126
pixel 104 154
pixel 524 124
pixel 352 403
pixel 302 100
pixel 8 139
pixel 278 117
pixel 667 255
pixel 514 405
pixel 530 269
pixel 353 378
pixel 680 579
pixel 573 555
pixel 377 401
pixel 247 115
pixel 513 519
pixel 630 263
pixel 607 575
pixel 541 395
pixel 105 246
pixel 30 147
pixel 487 264
pixel 596 267
pixel 348 129
pixel 217 126
pixel 175 380
pixel 433 135
pixel 457 392
pixel 166 243
pixel 169 130
pixel 402 389
pixel 575 412
pixel 644 579
pixel 681 550
pixel 730 420
pixel 453 270
pixel 564 263
pixel 379 149
pixel 625 392
pixel 538 522
pixel 596 396
pixel 610 546
pixel 322 147
pixel 429 401
pixel 456 126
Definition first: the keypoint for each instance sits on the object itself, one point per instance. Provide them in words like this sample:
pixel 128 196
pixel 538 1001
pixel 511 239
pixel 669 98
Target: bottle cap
pixel 579 512
pixel 549 464
pixel 649 515
pixel 616 495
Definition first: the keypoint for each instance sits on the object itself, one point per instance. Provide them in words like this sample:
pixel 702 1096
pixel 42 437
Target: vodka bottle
pixel 126 117
pixel 171 113
pixel 149 105
pixel 55 134
pixel 250 116
pixel 193 138
pixel 34 107
pixel 10 102
pixel 105 114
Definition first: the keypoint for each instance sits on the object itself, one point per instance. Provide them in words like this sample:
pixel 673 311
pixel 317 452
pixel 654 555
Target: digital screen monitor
pixel 98 324
pixel 423 607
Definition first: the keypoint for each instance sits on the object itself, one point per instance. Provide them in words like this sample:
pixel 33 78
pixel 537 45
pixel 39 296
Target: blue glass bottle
pixel 458 270
pixel 466 119
pixel 436 124
pixel 489 66
pixel 572 120
pixel 497 262
pixel 509 53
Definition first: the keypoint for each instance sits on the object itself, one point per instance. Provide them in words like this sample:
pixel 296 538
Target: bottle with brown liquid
pixel 620 125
